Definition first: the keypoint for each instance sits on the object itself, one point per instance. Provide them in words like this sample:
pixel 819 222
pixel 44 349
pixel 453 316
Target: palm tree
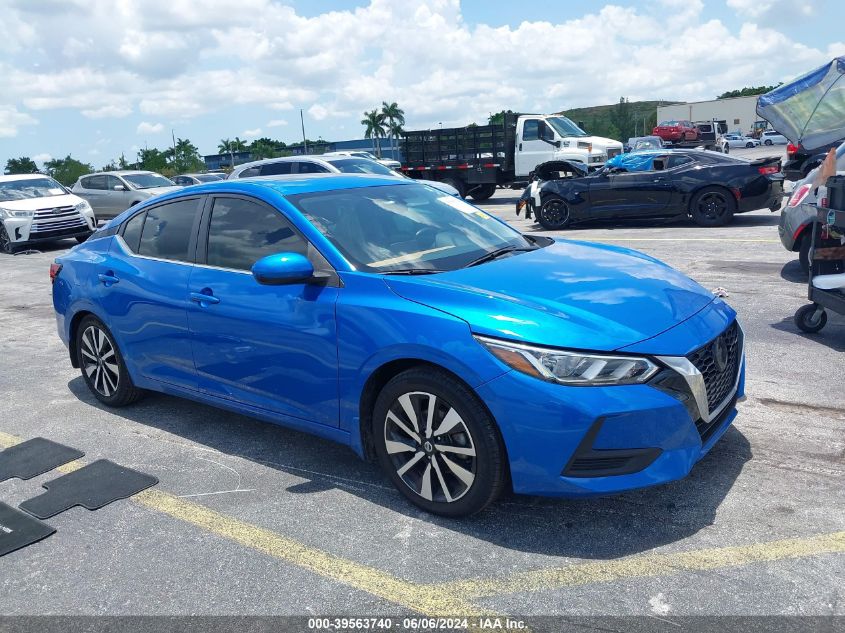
pixel 395 117
pixel 374 122
pixel 225 147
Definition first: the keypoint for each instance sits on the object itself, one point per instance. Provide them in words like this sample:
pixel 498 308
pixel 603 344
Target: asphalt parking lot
pixel 254 519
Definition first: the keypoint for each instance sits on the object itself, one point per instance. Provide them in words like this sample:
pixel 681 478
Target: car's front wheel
pixel 554 214
pixel 712 206
pixel 438 443
pixel 102 364
pixel 768 141
pixel 749 145
pixel 6 245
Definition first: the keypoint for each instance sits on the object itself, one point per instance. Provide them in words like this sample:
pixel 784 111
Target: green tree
pixel 67 170
pixel 227 146
pixel 152 159
pixel 747 92
pixel 395 118
pixel 622 119
pixel 184 157
pixel 373 122
pixel 499 117
pixel 22 165
pixel 266 147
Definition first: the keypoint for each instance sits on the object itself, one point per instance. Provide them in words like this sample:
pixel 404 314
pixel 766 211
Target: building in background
pixel 740 113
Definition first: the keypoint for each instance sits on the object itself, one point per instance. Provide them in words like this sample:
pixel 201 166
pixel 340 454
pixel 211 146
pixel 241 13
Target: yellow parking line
pixel 454 598
pixel 425 599
pixel 646 565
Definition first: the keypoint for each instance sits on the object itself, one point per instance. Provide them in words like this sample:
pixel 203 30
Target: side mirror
pixel 120 188
pixel 282 268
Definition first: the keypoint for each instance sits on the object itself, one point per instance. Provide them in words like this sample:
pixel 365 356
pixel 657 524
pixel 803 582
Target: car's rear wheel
pixel 712 206
pixel 102 364
pixel 438 443
pixel 457 184
pixel 554 214
pixel 483 192
pixel 804 249
pixel 6 245
pixel 749 145
pixel 768 141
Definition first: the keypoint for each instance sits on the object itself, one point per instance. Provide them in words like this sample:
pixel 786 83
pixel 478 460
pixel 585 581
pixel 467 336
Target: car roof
pixel 119 172
pixel 13 177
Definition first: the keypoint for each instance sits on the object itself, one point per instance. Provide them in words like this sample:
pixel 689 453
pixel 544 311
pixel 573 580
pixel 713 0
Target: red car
pixel 674 131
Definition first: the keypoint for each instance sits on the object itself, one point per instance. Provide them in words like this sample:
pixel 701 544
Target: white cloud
pixel 11 119
pixel 42 158
pixel 149 128
pixel 252 133
pixel 170 62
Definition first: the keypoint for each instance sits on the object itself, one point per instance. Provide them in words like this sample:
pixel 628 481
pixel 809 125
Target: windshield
pixel 209 177
pixel 27 188
pixel 564 126
pixel 405 227
pixel 361 166
pixel 148 181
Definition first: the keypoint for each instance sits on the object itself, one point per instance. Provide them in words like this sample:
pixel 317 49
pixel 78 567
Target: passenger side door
pixel 118 195
pixel 631 194
pixel 143 289
pixel 273 347
pixel 531 148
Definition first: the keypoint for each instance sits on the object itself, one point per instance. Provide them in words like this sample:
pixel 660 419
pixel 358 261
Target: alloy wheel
pixel 713 205
pixel 430 447
pixel 99 361
pixel 555 213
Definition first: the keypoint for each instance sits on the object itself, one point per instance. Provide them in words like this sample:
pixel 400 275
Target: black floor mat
pixel 18 529
pixel 34 457
pixel 92 487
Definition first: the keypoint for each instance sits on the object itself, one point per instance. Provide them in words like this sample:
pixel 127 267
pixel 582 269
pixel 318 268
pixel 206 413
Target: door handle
pixel 204 299
pixel 520 147
pixel 107 279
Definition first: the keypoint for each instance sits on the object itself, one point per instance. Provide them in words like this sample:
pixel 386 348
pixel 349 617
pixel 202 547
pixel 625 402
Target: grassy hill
pixel 600 120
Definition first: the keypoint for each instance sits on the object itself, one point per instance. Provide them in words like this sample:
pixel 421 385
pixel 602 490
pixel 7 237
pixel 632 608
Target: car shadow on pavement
pixel 590 528
pixel 739 222
pixel 792 271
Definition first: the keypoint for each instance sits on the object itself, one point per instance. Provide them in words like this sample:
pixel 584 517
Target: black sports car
pixel 708 186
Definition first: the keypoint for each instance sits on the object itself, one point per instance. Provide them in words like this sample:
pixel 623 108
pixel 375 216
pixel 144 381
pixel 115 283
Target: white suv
pixel 773 138
pixel 35 208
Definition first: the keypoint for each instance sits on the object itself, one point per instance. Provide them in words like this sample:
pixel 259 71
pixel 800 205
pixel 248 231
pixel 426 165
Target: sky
pixel 101 78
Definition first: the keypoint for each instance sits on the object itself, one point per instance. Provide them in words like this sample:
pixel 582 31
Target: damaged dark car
pixel 708 187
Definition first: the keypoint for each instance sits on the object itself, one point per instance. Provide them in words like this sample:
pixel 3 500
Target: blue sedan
pixel 422 332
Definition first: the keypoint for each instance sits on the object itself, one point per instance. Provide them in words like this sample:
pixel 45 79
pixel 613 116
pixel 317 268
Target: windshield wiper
pixel 412 271
pixel 498 253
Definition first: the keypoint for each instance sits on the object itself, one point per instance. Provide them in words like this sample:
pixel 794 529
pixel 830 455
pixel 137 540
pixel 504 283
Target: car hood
pixel 599 143
pixel 569 294
pixel 50 202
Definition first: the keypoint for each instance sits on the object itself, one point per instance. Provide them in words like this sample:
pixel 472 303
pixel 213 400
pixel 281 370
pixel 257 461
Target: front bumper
pixel 28 230
pixel 583 441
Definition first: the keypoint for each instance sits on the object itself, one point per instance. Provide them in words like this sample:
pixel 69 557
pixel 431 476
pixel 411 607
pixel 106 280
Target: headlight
pixel 83 206
pixel 14 213
pixel 570 367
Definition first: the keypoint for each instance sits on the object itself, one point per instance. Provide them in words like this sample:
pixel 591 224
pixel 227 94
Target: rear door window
pixel 276 169
pixel 168 229
pixel 94 182
pixel 310 168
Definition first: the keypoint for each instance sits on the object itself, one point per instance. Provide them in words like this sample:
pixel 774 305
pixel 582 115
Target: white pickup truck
pixel 478 158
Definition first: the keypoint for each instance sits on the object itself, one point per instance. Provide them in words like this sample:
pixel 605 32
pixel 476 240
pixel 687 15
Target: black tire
pixel 94 347
pixel 727 148
pixel 80 239
pixel 483 192
pixel 6 245
pixel 807 320
pixel 809 168
pixel 804 249
pixel 749 145
pixel 712 206
pixel 554 214
pixel 436 479
pixel 768 141
pixel 457 184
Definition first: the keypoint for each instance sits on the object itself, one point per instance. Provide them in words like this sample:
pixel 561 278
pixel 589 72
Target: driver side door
pixel 531 148
pixel 631 194
pixel 273 347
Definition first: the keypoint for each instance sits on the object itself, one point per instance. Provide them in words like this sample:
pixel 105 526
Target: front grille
pixel 719 380
pixel 57 219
